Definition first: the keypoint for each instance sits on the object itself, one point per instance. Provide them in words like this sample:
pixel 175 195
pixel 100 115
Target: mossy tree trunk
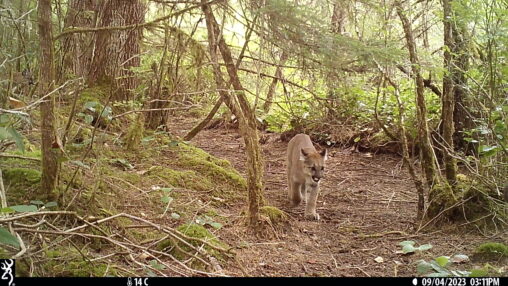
pixel 76 48
pixel 115 52
pixel 427 153
pixel 240 107
pixel 448 100
pixel 50 165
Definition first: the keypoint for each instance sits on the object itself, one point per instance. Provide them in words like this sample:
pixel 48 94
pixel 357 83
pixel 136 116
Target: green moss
pixel 66 261
pixel 95 93
pixel 275 215
pixel 442 197
pixel 21 183
pixel 182 179
pixel 22 176
pixel 135 133
pixel 494 248
pixel 218 171
pixel 178 249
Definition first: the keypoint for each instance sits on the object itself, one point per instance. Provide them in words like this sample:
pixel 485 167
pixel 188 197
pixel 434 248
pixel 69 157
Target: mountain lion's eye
pixel 322 168
pixel 313 168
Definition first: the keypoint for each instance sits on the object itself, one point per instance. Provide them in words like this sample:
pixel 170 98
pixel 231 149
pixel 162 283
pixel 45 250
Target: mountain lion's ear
pixel 324 154
pixel 303 154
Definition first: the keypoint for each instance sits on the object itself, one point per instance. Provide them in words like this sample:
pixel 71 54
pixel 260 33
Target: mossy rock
pixel 275 215
pixel 227 180
pixel 192 168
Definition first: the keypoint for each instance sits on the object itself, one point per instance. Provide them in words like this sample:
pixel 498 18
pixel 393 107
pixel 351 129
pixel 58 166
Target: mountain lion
pixel 305 169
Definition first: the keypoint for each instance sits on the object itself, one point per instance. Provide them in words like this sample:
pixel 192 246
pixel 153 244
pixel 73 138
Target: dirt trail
pixel 367 206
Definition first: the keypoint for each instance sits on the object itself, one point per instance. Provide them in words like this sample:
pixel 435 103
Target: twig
pixel 5 155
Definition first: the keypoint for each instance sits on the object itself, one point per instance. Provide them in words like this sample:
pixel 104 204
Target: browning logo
pixel 7 267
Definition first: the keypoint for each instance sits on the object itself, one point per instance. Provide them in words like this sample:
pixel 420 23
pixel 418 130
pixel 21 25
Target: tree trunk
pixel 77 48
pixel 196 129
pixel 273 84
pixel 50 164
pixel 239 106
pixel 117 51
pixel 447 107
pixel 339 16
pixel 405 149
pixel 460 64
pixel 427 153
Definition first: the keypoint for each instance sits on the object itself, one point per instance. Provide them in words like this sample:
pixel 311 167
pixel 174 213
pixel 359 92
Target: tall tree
pixel 240 107
pixel 78 48
pixel 427 153
pixel 448 99
pixel 50 163
pixel 108 55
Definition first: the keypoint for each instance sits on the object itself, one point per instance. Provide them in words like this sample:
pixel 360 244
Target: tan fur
pixel 305 168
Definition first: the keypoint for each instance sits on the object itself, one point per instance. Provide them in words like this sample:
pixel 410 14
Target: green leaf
pixel 7 210
pixel 424 247
pixel 156 265
pixel 25 208
pixel 166 199
pixel 435 265
pixel 487 151
pixel 7 238
pixel 36 202
pixel 423 267
pixel 9 133
pixel 51 204
pixel 407 242
pixel 175 216
pixel 166 190
pixel 438 274
pixel 4 135
pixel 91 105
pixel 443 260
pixel 408 249
pixel 216 225
pixel 88 119
pixel 479 273
pixel 17 138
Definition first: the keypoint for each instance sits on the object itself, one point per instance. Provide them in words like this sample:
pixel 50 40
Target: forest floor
pixel 367 206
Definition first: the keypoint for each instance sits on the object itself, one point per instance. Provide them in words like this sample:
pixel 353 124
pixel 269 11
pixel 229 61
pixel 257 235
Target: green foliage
pixel 408 246
pixel 20 178
pixel 135 133
pixel 440 267
pixel 495 248
pixel 193 230
pixel 7 238
pixel 206 220
pixel 68 262
pixel 8 132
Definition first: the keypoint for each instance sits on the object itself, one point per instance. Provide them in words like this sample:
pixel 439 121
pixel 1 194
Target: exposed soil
pixel 367 206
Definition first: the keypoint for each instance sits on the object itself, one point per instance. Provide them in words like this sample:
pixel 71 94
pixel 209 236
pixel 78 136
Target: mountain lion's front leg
pixel 310 207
